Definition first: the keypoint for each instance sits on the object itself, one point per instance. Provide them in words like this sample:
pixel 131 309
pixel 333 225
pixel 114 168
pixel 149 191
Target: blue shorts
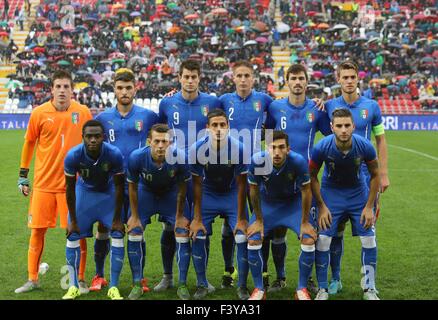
pixel 219 204
pixel 286 214
pixel 150 204
pixel 346 205
pixel 92 207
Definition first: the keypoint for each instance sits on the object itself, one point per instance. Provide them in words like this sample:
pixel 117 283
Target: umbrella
pixel 282 27
pixel 219 60
pixel 249 43
pixel 318 74
pixel 118 60
pixel 166 84
pixel 395 45
pixel 135 14
pixel 236 23
pixel 219 11
pixel 172 5
pixel 171 45
pixel 98 53
pixel 374 39
pixel 63 63
pixel 427 60
pixel 296 30
pixel 123 11
pixel 4 34
pixel 296 44
pixel 259 26
pixel 191 41
pixel 192 16
pixel 372 34
pixel 13 84
pixel 339 44
pixel 261 39
pixel 340 27
pixel 81 85
pixel 322 26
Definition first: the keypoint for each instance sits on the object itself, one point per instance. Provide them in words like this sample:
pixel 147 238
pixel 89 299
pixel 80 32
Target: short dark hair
pixel 216 113
pixel 341 113
pixel 158 127
pixel 347 65
pixel 124 74
pixel 61 74
pixel 191 65
pixel 295 69
pixel 243 63
pixel 278 135
pixel 92 123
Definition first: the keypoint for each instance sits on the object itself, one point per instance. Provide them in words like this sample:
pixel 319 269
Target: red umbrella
pixel 192 16
pixel 420 16
pixel 39 50
pixel 296 30
pixel 318 74
pixel 4 34
pixel 311 13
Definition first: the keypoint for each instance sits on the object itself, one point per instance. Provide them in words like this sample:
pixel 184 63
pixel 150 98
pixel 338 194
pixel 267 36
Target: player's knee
pixel 135 237
pixel 278 240
pixel 167 227
pixel 226 230
pixel 254 244
pixel 240 237
pixel 323 243
pixel 280 232
pixel 307 241
pixel 102 235
pixel 368 242
pixel 101 229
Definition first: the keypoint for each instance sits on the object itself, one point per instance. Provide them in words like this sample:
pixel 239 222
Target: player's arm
pixel 367 213
pixel 242 222
pixel 26 158
pixel 181 222
pixel 324 216
pixel 70 181
pixel 254 197
pixel 306 203
pixel 134 220
pixel 196 225
pixel 382 153
pixel 119 183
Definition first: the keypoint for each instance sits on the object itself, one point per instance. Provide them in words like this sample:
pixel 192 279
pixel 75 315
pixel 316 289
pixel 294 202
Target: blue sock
pixel 242 259
pixel 117 255
pixel 199 256
pixel 101 249
pixel 255 262
pixel 305 264
pixel 228 245
pixel 369 264
pixel 135 256
pixel 265 253
pixel 207 248
pixel 183 259
pixel 167 248
pixel 279 256
pixel 336 252
pixel 73 257
pixel 322 260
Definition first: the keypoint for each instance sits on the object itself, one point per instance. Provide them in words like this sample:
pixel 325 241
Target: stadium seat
pixel 139 102
pixel 154 105
pixel 147 103
pixel 111 96
pixel 104 96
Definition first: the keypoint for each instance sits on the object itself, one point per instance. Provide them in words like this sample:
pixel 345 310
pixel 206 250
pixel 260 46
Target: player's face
pixel 62 92
pixel 343 128
pixel 189 80
pixel 278 151
pixel 125 92
pixel 243 78
pixel 93 138
pixel 348 80
pixel 218 128
pixel 159 142
pixel 297 83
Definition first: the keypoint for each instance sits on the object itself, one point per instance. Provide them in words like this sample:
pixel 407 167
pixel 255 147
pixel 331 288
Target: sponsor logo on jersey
pixel 257 106
pixel 75 118
pixel 139 125
pixel 310 116
pixel 364 113
pixel 204 110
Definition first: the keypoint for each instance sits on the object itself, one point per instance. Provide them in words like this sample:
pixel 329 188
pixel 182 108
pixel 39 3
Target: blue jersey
pixel 218 169
pixel 342 170
pixel 246 113
pixel 299 122
pixel 94 174
pixel 176 112
pixel 279 183
pixel 159 180
pixel 366 113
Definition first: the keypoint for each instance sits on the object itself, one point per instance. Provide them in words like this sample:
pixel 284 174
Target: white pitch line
pixel 414 151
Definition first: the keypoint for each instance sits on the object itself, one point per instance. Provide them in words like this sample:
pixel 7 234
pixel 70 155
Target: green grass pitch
pixel 406 234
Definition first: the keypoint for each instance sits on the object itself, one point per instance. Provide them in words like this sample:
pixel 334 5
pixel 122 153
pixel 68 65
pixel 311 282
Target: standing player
pixel 126 127
pixel 91 199
pixel 219 187
pixel 157 186
pixel 300 118
pixel 344 194
pixel 245 109
pixel 277 204
pixel 186 114
pixel 367 118
pixel 54 128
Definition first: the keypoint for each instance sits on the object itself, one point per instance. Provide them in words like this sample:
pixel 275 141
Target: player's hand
pixel 118 226
pixel 72 228
pixel 307 228
pixel 254 228
pixel 324 218
pixel 170 93
pixel 134 223
pixel 384 183
pixel 195 227
pixel 182 223
pixel 241 225
pixel 24 186
pixel 367 218
pixel 319 104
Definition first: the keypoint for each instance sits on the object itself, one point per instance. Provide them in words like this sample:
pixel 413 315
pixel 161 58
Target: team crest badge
pixel 139 125
pixel 75 118
pixel 257 106
pixel 204 110
pixel 105 166
pixel 290 176
pixel 172 173
pixel 357 161
pixel 364 113
pixel 310 116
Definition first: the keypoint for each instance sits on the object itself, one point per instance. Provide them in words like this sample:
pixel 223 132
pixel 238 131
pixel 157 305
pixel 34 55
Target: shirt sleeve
pixel 370 152
pixel 117 163
pixel 303 176
pixel 195 167
pixel 252 177
pixel 267 102
pixel 133 168
pixel 162 116
pixel 324 123
pixel 70 165
pixel 316 158
pixel 377 115
pixel 217 104
pixel 270 121
pixel 33 130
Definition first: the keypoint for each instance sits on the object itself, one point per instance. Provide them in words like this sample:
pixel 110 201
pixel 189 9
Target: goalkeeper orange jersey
pixel 55 133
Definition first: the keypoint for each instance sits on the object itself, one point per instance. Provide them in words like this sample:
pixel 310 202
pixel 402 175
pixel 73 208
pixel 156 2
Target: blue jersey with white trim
pixel 94 175
pixel 280 183
pixel 300 123
pixel 142 169
pixel 343 170
pixel 219 169
pixel 127 132
pixel 179 113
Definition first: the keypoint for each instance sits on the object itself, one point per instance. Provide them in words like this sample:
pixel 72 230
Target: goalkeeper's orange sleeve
pixel 27 153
